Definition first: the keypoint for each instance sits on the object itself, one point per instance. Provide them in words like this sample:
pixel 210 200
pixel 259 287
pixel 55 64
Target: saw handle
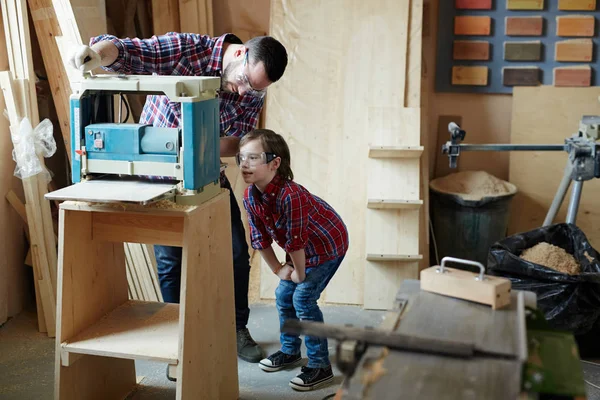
pixel 481 275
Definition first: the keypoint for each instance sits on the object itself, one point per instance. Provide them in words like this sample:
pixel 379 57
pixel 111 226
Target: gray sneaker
pixel 247 348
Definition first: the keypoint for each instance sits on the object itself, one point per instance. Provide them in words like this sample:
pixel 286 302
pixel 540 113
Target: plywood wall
pixel 245 18
pixel 346 75
pixel 548 115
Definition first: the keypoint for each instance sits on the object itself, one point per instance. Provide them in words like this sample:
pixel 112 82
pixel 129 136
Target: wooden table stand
pixel 100 332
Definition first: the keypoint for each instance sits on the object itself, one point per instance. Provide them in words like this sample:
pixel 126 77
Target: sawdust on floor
pixel 473 185
pixel 553 257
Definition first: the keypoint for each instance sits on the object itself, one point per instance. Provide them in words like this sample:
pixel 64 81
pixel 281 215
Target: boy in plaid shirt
pixel 315 240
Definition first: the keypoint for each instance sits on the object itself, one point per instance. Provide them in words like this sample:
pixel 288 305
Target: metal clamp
pixel 481 275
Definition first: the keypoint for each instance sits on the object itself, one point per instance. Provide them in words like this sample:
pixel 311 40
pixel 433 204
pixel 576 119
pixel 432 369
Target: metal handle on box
pixel 480 277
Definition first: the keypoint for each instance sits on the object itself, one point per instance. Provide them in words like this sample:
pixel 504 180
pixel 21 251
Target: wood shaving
pixel 553 257
pixel 473 185
pixel 159 205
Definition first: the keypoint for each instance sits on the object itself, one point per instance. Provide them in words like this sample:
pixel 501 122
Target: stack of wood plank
pixel 18 87
pixel 142 279
pixel 12 240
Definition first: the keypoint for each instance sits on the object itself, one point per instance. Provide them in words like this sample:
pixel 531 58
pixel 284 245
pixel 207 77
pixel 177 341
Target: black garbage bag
pixel 569 302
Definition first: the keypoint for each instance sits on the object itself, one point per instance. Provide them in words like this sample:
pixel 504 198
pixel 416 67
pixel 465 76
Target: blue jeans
pixel 168 259
pixel 299 301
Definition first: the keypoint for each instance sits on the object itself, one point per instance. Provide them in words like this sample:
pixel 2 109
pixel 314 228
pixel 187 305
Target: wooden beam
pixel 17 204
pixel 47 29
pixel 18 87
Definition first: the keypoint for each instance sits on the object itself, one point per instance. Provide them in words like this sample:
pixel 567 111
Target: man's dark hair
pixel 272 54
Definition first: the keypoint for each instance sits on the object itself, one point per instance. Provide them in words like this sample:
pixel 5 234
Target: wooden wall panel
pixel 242 17
pixel 326 121
pixel 548 115
pixel 165 16
pixel 196 16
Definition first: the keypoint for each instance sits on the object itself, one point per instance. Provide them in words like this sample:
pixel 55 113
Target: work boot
pixel 312 378
pixel 247 348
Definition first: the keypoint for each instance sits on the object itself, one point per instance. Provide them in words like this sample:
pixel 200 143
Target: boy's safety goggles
pixel 254 159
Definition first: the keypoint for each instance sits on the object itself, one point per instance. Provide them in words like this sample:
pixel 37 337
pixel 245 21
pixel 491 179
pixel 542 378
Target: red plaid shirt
pixel 297 220
pixel 184 54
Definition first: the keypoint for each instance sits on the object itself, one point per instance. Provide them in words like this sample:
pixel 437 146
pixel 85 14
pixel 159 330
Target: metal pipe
pixel 574 202
pixel 509 147
pixel 559 197
pixel 379 337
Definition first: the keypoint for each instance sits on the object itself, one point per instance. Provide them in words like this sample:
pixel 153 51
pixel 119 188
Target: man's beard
pixel 228 75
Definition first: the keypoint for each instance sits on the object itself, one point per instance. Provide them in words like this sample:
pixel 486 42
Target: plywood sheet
pixel 548 115
pixel 326 122
pixel 239 16
pixel 12 240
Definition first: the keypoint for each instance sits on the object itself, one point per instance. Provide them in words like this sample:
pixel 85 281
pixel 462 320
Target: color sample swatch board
pixel 491 46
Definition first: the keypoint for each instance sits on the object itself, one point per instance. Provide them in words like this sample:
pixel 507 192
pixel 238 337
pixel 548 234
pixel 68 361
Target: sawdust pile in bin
pixel 552 256
pixel 473 185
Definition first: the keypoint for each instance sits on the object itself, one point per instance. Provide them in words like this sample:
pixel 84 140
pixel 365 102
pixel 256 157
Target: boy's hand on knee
pixel 285 272
pixel 298 277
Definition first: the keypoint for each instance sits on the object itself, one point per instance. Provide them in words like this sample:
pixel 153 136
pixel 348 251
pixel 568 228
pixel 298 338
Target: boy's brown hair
pixel 272 143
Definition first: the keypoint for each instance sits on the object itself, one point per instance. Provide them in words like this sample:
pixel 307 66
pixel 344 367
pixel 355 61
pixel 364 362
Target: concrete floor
pixel 27 359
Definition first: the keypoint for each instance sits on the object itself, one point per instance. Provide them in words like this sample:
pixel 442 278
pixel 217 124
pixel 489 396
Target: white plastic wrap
pixel 29 144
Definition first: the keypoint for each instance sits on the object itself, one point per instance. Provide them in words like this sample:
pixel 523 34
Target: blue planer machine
pixel 129 162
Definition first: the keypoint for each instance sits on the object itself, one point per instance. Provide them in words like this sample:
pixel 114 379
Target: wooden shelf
pixel 394 204
pixel 395 151
pixel 136 330
pixel 394 257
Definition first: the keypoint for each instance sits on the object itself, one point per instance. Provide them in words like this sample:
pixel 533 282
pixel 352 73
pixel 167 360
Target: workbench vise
pixel 104 146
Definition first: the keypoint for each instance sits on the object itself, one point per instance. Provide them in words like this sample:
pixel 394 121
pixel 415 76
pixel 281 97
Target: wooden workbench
pixel 100 332
pixel 393 375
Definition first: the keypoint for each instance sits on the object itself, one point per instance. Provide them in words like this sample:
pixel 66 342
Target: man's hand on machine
pixel 85 59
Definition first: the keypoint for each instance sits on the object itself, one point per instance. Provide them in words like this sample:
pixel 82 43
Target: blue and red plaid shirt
pixel 297 220
pixel 184 54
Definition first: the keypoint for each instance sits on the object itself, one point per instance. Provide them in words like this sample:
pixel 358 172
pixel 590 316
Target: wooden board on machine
pixel 548 115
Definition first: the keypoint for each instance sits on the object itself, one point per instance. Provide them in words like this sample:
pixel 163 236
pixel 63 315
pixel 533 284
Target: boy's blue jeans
pixel 299 301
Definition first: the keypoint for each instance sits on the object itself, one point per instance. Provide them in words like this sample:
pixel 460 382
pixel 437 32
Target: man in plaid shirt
pixel 246 70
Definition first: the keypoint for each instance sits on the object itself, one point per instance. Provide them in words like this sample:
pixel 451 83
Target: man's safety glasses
pixel 254 159
pixel 242 79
